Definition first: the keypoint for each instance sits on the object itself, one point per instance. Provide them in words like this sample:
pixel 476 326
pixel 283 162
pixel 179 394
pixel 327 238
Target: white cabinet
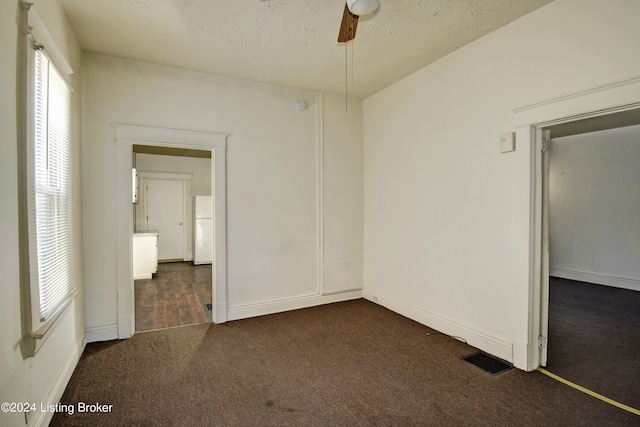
pixel 145 254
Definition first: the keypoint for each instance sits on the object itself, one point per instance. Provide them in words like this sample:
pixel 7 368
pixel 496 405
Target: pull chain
pixel 352 79
pixel 346 80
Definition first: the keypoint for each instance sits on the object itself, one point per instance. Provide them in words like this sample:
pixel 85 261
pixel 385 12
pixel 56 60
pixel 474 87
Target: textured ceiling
pixel 290 43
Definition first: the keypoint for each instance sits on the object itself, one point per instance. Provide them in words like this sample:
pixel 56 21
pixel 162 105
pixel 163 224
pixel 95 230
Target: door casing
pixel 128 135
pixel 531 120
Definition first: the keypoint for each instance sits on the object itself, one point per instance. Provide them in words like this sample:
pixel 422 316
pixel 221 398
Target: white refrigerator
pixel 202 230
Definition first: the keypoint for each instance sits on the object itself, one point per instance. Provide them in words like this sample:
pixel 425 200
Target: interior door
pixel 544 141
pixel 165 213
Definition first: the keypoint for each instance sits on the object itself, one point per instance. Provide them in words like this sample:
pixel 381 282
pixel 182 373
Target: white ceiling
pixel 290 43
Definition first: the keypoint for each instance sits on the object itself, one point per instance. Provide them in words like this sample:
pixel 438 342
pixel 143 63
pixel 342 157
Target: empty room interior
pixel 279 212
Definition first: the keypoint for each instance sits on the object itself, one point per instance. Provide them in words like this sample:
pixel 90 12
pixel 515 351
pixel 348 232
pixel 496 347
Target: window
pixel 49 193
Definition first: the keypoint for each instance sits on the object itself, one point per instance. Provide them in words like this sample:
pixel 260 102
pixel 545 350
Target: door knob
pixel 180 223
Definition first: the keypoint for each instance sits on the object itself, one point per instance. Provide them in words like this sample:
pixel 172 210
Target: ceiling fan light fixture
pixel 362 7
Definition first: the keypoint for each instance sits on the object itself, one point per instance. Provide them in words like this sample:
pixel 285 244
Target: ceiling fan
pixel 353 9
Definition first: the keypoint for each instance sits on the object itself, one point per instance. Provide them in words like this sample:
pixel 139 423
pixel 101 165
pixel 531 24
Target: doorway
pixel 128 135
pixel 594 280
pixel 544 135
pixel 530 120
pixel 179 293
pixel 593 245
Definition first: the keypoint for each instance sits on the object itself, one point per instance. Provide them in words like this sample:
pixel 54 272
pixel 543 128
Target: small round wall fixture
pixel 301 105
pixel 362 7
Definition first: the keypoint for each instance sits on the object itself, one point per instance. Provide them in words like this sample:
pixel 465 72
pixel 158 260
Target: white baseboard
pixel 278 306
pixel 41 418
pixel 102 333
pixel 489 344
pixel 598 279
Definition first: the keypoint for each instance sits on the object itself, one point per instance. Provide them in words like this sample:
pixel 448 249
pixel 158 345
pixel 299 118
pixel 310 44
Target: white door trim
pixel 125 137
pixel 614 97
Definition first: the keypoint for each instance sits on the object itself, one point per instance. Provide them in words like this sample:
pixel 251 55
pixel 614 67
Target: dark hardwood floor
pixel 175 296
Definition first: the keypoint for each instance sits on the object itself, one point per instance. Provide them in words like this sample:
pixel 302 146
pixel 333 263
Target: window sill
pixel 36 339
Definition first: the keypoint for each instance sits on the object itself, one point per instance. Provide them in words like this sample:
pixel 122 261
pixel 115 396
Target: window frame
pixel 38 325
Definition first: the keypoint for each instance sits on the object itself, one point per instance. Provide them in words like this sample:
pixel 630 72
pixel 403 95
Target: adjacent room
pixel 594 222
pixel 172 237
pixel 277 212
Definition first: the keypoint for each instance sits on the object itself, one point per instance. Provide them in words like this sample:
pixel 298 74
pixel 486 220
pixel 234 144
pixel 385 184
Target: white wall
pixel 446 236
pixel 273 204
pixel 199 168
pixel 594 207
pixel 40 379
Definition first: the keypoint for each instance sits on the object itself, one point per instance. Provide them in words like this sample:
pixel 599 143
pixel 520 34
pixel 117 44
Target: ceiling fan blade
pixel 348 26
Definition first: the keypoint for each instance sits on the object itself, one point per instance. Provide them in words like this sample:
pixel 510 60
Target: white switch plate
pixel 507 142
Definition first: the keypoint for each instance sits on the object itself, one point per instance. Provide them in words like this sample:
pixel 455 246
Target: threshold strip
pixel 171 327
pixel 590 393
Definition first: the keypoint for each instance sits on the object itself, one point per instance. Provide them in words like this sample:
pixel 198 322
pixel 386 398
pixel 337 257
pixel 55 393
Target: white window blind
pixel 50 193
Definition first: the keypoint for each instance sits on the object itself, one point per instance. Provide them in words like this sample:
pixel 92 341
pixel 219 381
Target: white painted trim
pixel 177 176
pixel 520 355
pixel 598 279
pixel 50 46
pixel 617 96
pixel 221 310
pixel 102 333
pixel 128 135
pixel 487 343
pixel 534 304
pixel 57 388
pixel 341 291
pixel 278 306
pixel 320 191
pixel 166 137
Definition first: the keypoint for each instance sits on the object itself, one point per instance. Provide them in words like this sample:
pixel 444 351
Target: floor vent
pixel 487 363
pixel 208 306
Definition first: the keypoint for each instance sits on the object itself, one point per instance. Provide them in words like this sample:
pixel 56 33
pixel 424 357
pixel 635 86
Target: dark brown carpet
pixel 346 364
pixel 594 338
